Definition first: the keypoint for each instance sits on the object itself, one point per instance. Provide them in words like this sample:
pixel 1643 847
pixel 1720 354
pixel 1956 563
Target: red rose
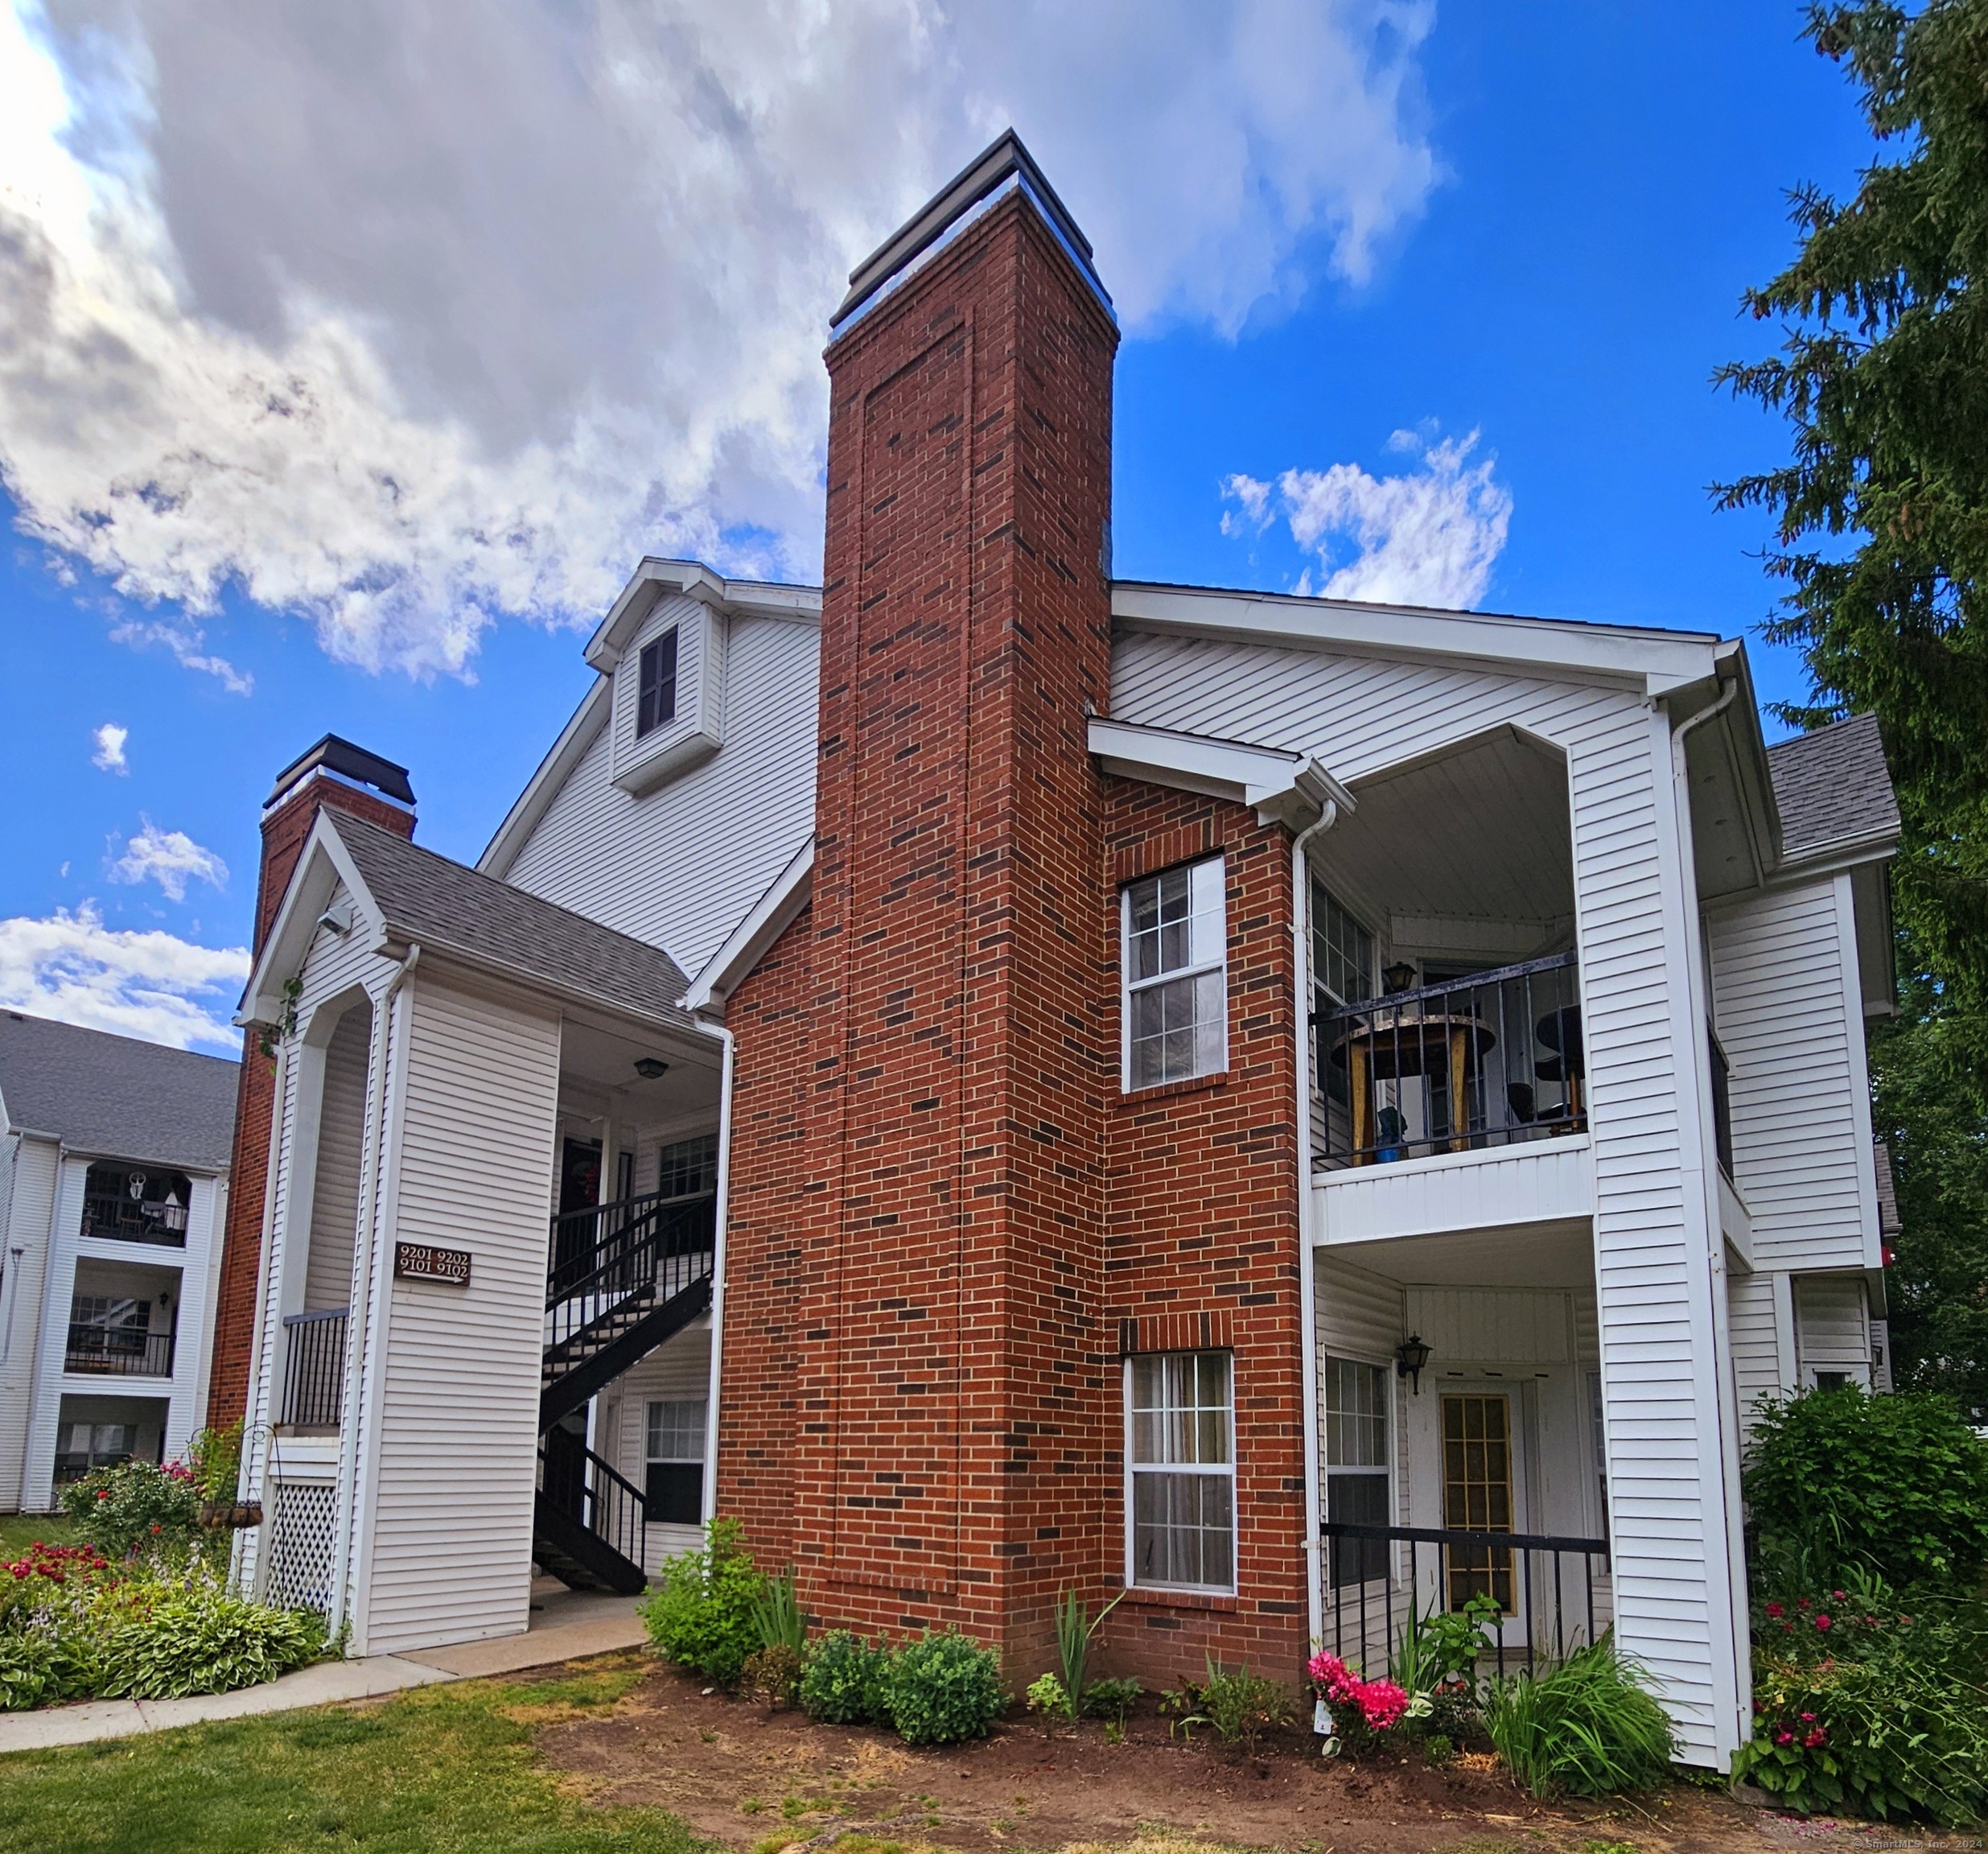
pixel 1783 1737
pixel 1822 1622
pixel 1774 1610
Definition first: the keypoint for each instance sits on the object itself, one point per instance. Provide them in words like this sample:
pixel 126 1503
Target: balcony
pixel 127 1204
pixel 1493 1060
pixel 118 1351
pixel 314 1370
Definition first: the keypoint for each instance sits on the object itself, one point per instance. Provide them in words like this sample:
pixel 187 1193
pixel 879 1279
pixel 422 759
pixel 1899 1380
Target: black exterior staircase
pixel 624 1278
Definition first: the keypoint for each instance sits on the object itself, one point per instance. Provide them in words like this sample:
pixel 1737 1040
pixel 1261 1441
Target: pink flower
pixel 1822 1622
pixel 1803 1603
pixel 1381 1703
pixel 1818 1737
pixel 1808 1718
pixel 1837 1595
pixel 1774 1610
pixel 1783 1737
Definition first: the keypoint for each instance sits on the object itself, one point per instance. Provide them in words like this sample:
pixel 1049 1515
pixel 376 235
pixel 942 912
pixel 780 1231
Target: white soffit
pixel 1659 660
pixel 1286 788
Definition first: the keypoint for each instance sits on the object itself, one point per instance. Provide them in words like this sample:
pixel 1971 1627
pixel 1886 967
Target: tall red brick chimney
pixel 915 1390
pixel 334 772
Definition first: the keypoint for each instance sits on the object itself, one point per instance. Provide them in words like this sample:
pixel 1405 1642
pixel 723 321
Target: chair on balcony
pixel 1560 1030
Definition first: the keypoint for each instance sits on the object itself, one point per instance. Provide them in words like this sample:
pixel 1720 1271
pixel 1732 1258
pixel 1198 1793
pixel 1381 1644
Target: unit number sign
pixel 416 1262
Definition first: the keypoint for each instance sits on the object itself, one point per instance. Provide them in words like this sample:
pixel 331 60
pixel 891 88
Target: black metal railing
pixel 313 1369
pixel 1494 1059
pixel 122 1218
pixel 1548 1605
pixel 654 1245
pixel 582 1486
pixel 1722 1103
pixel 118 1351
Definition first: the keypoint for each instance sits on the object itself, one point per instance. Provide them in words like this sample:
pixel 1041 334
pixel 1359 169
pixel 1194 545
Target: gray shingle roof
pixel 1832 786
pixel 116 1096
pixel 451 908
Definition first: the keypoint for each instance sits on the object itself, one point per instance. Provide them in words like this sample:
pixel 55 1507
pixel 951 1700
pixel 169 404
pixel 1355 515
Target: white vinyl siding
pixel 1784 978
pixel 30 1209
pixel 451 1549
pixel 1750 1320
pixel 341 1129
pixel 682 866
pixel 1833 1329
pixel 1674 1528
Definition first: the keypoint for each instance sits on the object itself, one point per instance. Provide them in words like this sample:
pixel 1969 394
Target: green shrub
pixel 776 1615
pixel 702 1613
pixel 1241 1705
pixel 1442 1646
pixel 39 1667
pixel 1112 1699
pixel 1899 1484
pixel 941 1687
pixel 1585 1728
pixel 135 1508
pixel 201 1640
pixel 843 1684
pixel 1880 1712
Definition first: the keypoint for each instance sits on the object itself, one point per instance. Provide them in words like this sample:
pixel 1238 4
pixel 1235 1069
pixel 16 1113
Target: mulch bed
pixel 754 1779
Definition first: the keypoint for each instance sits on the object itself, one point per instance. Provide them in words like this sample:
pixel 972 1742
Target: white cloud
pixel 110 755
pixel 1429 537
pixel 184 642
pixel 152 985
pixel 170 858
pixel 409 315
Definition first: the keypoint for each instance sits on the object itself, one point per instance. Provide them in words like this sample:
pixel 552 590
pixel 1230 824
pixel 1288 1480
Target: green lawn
pixel 18 1530
pixel 441 1770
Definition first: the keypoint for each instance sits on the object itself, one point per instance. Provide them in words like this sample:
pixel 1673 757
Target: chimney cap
pixel 1005 158
pixel 346 761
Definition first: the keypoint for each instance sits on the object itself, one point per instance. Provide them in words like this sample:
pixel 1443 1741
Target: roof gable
pixel 1833 789
pixel 118 1096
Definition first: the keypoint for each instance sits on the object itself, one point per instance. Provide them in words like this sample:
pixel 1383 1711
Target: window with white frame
pixel 1175 932
pixel 688 1167
pixel 1341 973
pixel 1356 1465
pixel 1181 1468
pixel 674 1492
pixel 655 684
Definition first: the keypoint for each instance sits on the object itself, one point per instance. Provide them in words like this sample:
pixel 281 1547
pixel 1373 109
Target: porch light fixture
pixel 1399 976
pixel 650 1068
pixel 1410 1356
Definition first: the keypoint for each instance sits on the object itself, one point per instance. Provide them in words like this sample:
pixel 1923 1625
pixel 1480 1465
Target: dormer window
pixel 656 699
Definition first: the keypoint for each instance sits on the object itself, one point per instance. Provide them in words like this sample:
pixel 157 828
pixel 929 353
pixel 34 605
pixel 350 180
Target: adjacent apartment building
pixel 113 1188
pixel 1006 1079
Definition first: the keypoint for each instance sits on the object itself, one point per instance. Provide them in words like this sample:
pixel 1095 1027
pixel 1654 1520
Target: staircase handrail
pixel 626 1505
pixel 635 1226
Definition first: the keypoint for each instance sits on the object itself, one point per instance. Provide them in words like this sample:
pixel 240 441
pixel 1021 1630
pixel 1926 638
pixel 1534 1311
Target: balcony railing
pixel 313 1374
pixel 119 1351
pixel 122 1218
pixel 1494 1059
pixel 1545 1586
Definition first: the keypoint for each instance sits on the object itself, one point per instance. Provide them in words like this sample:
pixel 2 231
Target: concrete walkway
pixel 566 1625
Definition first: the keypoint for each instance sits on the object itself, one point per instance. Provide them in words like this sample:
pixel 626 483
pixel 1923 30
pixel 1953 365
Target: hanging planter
pixel 230 1516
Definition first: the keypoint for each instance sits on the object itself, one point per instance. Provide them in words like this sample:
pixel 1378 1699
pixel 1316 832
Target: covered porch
pixel 1460 1452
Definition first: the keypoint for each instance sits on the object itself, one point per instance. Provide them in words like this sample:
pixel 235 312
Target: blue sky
pixel 1608 180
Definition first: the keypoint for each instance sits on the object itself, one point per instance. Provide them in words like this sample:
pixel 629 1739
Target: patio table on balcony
pixel 1445 1046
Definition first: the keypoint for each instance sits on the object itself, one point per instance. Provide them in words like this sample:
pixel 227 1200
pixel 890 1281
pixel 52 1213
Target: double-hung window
pixel 1356 1465
pixel 1342 971
pixel 1182 1468
pixel 688 1167
pixel 656 686
pixel 1175 934
pixel 674 1493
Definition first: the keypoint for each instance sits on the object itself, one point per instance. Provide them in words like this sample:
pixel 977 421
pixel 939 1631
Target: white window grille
pixel 1176 1006
pixel 1356 1478
pixel 688 1167
pixel 1180 1496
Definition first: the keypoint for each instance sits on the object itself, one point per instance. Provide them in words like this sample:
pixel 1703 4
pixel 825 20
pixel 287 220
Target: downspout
pixel 719 1212
pixel 357 1315
pixel 1307 1277
pixel 1700 1004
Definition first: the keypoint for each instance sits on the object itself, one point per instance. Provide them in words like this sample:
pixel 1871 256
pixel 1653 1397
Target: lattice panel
pixel 303 1521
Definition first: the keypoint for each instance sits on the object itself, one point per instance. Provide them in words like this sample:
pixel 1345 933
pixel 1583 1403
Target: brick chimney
pixel 915 1396
pixel 336 773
